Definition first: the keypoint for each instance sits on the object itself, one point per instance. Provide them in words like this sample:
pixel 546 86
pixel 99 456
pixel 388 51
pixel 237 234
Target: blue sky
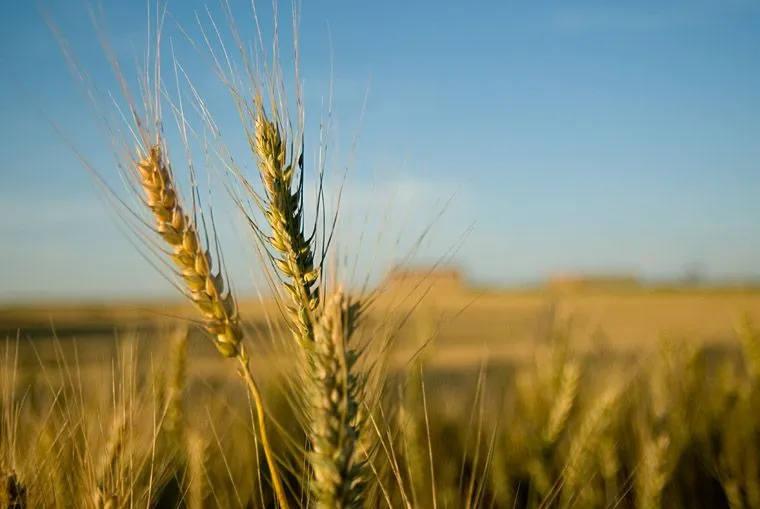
pixel 573 136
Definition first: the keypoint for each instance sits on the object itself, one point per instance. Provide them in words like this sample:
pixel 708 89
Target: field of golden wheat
pixel 420 394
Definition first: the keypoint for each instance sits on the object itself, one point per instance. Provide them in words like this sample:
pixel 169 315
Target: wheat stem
pixel 253 388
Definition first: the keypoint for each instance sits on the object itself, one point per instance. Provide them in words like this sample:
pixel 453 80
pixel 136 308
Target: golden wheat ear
pixel 193 262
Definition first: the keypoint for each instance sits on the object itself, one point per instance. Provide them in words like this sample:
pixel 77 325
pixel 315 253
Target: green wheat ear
pixel 294 256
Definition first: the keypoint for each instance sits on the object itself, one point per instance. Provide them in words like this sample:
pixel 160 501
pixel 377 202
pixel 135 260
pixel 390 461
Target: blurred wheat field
pixel 526 400
pixel 465 322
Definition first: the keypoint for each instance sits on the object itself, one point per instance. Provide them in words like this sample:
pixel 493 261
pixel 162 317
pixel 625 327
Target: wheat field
pixel 415 393
pixel 640 399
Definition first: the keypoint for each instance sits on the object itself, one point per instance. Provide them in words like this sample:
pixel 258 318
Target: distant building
pixel 423 279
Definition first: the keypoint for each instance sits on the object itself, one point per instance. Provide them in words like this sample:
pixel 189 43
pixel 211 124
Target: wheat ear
pixel 578 462
pixel 332 386
pixel 652 475
pixel 174 404
pixel 284 213
pixel 204 288
pixel 109 479
pixel 563 402
pixel 338 480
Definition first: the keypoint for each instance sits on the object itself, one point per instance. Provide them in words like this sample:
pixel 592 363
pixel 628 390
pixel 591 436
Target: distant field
pixel 466 325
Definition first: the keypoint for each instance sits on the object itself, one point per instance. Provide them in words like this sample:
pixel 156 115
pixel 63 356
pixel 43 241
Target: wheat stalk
pixel 332 389
pixel 196 449
pixel 413 437
pixel 609 464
